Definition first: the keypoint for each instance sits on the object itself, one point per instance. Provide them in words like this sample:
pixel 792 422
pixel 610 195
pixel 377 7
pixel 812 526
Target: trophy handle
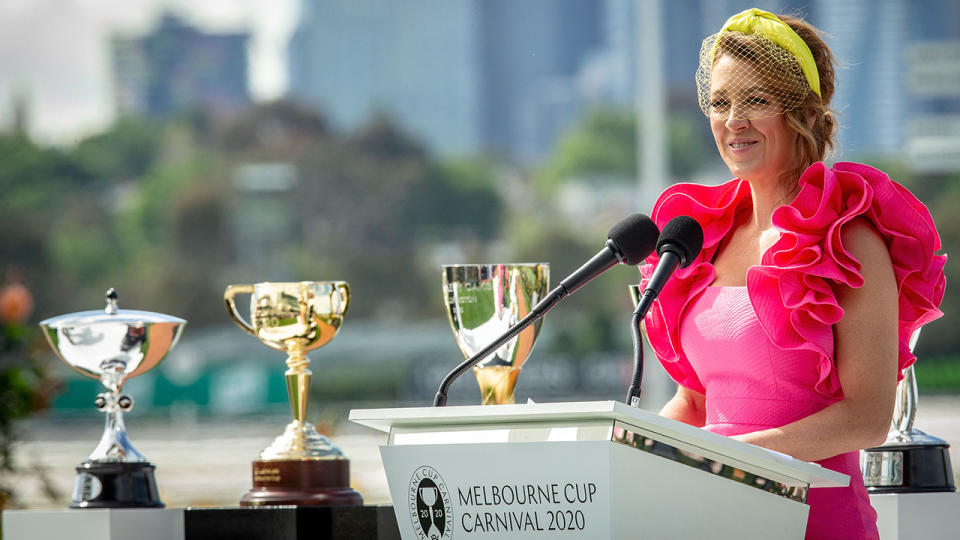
pixel 228 298
pixel 344 291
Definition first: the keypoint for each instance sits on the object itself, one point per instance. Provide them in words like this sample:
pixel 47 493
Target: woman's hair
pixel 819 141
pixel 783 77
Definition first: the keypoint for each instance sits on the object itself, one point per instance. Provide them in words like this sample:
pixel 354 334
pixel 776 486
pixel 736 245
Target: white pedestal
pixel 918 516
pixel 94 524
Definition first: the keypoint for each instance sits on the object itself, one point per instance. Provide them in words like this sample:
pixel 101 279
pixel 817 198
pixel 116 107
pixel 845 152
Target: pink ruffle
pixel 791 290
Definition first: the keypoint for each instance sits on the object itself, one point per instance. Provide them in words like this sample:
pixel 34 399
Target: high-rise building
pixel 510 77
pixel 177 67
pixel 463 76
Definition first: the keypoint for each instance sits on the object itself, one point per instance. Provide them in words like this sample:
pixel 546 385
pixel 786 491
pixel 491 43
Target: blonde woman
pixel 790 329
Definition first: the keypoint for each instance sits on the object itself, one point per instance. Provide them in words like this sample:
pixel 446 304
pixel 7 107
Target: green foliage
pixel 25 387
pixel 128 150
pixel 603 147
pixel 938 374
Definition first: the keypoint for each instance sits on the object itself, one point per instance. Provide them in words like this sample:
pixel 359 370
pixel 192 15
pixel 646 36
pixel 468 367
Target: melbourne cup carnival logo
pixel 429 505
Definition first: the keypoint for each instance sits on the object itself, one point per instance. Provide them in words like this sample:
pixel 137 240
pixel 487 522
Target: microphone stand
pixel 633 393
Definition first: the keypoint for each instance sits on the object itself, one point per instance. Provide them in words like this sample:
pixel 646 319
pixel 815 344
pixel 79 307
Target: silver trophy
pixel 114 345
pixel 483 301
pixel 909 461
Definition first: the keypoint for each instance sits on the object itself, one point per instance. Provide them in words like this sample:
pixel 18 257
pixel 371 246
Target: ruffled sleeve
pixel 715 208
pixel 792 290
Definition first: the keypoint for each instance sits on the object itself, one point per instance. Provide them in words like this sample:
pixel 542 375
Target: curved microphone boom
pixel 678 245
pixel 628 242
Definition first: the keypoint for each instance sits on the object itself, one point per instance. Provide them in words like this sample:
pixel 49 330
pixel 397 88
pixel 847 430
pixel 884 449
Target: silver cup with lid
pixel 114 345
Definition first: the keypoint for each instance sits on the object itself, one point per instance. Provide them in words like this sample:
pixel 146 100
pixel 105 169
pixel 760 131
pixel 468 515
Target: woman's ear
pixel 811 119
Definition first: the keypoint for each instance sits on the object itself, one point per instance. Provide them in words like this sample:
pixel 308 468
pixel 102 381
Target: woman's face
pixel 747 123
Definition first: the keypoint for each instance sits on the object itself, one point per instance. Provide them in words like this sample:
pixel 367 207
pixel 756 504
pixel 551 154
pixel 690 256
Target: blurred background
pixel 168 148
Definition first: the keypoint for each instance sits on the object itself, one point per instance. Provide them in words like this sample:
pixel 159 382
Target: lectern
pixel 585 470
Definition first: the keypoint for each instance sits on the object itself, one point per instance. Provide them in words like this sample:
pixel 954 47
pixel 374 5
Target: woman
pixel 790 329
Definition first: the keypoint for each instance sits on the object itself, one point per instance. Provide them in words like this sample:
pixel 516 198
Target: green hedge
pixel 938 374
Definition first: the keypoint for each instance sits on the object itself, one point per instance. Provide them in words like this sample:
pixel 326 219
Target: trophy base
pixel 910 468
pixel 116 485
pixel 323 482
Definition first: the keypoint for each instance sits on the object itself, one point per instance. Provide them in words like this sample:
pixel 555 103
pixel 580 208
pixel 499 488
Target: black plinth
pixel 291 523
pixel 116 485
pixel 921 468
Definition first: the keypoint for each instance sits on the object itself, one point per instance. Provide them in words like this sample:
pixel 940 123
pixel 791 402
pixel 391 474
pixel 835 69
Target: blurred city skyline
pixel 56 54
pixel 508 81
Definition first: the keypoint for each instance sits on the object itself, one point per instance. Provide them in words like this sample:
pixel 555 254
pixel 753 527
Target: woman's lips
pixel 741 146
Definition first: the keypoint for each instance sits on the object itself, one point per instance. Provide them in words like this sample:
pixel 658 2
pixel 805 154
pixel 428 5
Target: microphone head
pixel 684 236
pixel 634 237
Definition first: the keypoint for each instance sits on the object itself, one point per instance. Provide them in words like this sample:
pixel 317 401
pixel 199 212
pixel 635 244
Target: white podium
pixel 590 470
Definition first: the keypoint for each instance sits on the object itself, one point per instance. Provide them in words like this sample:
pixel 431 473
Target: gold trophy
pixel 483 301
pixel 301 467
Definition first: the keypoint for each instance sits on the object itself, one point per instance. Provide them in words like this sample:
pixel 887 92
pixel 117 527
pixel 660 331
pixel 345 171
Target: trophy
pixel 483 301
pixel 114 345
pixel 909 461
pixel 301 467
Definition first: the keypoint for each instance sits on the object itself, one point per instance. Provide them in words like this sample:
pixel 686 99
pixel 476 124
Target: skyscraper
pixel 177 67
pixel 463 76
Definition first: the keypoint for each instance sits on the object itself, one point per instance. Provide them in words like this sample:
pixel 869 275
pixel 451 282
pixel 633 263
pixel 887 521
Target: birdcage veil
pixel 748 76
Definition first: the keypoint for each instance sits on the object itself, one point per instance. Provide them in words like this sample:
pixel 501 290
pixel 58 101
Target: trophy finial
pixel 111 297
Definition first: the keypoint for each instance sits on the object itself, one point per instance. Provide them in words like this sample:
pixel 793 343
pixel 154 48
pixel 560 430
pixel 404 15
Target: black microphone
pixel 628 242
pixel 679 244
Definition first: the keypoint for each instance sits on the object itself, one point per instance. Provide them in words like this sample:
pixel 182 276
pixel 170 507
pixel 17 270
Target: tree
pixel 602 147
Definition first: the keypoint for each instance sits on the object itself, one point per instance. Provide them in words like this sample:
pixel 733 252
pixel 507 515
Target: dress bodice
pixel 751 384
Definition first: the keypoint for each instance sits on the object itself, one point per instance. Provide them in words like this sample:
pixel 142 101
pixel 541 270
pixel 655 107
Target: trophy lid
pixel 111 314
pixel 124 342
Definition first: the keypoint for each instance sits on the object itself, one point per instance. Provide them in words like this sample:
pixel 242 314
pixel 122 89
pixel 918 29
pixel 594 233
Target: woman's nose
pixel 736 119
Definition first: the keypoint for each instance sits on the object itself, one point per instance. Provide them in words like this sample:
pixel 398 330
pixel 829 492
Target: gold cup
pixel 301 466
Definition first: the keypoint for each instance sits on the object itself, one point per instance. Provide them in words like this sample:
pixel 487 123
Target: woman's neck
pixel 767 197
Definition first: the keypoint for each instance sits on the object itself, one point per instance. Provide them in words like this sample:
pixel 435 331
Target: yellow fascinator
pixel 774 72
pixel 757 21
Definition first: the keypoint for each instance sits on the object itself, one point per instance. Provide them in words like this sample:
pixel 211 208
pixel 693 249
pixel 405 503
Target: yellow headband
pixel 768 25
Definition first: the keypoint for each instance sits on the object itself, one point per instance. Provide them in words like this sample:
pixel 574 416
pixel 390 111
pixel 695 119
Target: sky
pixel 56 52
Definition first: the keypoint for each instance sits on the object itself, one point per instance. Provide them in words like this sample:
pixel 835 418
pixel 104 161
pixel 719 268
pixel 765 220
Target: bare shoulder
pixel 862 239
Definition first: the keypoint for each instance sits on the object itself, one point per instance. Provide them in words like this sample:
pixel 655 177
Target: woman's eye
pixel 720 104
pixel 756 100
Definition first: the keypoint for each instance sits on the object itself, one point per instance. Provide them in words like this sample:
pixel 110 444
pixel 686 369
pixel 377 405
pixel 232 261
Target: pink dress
pixel 763 354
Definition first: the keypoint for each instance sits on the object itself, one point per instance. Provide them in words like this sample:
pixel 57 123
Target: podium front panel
pixel 573 490
pixel 502 490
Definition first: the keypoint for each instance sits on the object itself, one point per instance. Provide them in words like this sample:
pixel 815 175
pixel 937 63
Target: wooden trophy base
pixel 319 482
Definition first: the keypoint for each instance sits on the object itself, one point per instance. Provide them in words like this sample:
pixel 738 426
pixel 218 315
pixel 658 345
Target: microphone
pixel 628 242
pixel 678 245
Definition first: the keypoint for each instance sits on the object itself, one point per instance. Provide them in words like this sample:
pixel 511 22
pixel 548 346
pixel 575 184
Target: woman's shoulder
pixel 841 215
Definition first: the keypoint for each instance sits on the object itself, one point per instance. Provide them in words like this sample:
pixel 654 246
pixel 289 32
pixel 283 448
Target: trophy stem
pixel 114 446
pixel 906 406
pixel 497 384
pixel 298 381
